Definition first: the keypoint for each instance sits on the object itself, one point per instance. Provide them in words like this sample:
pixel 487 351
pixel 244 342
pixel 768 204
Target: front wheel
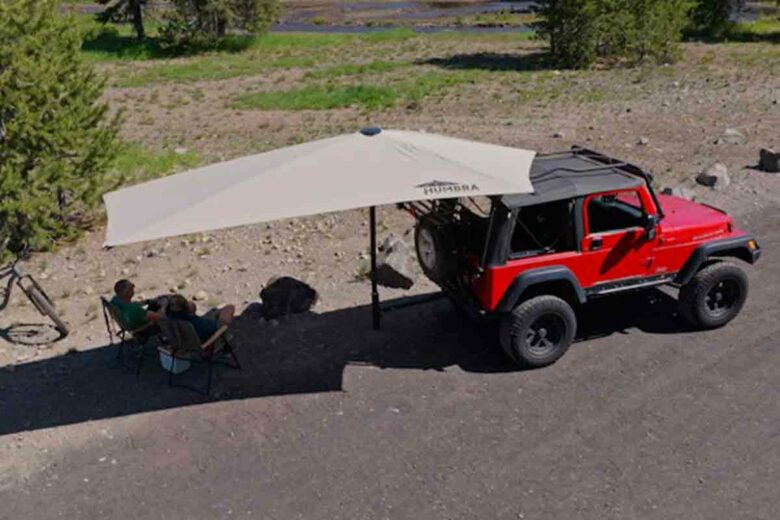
pixel 714 296
pixel 46 307
pixel 538 331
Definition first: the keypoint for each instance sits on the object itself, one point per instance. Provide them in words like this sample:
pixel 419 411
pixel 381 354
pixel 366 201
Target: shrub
pixel 56 140
pixel 205 23
pixel 583 31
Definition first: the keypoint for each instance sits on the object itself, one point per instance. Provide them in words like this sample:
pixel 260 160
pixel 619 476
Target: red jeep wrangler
pixel 594 227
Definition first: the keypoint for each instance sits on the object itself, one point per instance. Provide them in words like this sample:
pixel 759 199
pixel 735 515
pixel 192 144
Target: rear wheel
pixel 538 331
pixel 46 307
pixel 714 296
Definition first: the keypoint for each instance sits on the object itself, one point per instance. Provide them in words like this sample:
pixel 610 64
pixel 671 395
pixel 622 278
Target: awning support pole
pixel 376 311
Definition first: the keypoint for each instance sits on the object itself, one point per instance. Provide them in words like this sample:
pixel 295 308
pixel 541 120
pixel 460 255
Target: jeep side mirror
pixel 651 223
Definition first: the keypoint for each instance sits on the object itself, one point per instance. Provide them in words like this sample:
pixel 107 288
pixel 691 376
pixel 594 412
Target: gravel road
pixel 641 419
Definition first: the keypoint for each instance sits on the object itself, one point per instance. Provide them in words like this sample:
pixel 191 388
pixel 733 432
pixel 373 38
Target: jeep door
pixel 616 245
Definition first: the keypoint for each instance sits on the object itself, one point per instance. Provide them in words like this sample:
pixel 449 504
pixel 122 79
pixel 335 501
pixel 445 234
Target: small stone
pixel 680 191
pixel 125 271
pixel 769 160
pixel 559 135
pixel 643 141
pixel 88 290
pixel 180 150
pixel 200 295
pixel 151 253
pixel 717 175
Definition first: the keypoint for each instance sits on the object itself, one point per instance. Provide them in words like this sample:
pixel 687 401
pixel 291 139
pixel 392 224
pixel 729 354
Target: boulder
pixel 769 160
pixel 286 295
pixel 731 136
pixel 715 176
pixel 394 262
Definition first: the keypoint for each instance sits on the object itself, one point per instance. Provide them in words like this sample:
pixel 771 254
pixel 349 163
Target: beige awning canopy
pixel 364 169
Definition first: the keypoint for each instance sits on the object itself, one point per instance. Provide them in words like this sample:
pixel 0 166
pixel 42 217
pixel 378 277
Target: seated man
pixel 134 313
pixel 205 326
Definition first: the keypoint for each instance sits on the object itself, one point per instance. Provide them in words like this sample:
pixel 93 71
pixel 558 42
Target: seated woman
pixel 179 308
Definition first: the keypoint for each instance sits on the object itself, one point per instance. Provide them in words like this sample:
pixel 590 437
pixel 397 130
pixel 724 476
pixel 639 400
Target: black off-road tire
pixel 432 237
pixel 714 296
pixel 538 331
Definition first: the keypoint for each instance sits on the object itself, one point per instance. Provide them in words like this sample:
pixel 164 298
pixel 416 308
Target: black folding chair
pixel 135 341
pixel 183 343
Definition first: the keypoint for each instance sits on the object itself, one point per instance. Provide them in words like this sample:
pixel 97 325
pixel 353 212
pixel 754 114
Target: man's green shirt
pixel 134 314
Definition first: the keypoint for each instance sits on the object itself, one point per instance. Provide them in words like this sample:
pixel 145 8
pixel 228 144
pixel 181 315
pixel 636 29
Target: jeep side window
pixel 544 228
pixel 614 211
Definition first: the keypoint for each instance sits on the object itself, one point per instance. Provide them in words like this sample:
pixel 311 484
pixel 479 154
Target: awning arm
pixel 376 311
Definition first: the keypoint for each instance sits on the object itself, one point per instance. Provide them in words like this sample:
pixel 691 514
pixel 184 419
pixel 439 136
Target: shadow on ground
pixel 306 353
pixel 493 61
pixel 109 43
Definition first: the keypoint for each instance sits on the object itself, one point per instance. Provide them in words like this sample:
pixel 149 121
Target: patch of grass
pixel 213 67
pixel 484 37
pixel 248 57
pixel 764 29
pixel 320 98
pixel 412 88
pixel 373 67
pixel 136 163
pixel 503 18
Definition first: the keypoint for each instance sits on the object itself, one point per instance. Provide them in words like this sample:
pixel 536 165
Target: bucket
pixel 171 364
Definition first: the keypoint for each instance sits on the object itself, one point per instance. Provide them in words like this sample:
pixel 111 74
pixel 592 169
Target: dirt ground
pixel 641 419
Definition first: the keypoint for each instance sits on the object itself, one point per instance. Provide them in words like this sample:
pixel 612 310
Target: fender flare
pixel 527 279
pixel 736 247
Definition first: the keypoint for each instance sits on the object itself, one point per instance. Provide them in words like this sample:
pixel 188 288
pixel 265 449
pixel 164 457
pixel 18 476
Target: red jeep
pixel 593 227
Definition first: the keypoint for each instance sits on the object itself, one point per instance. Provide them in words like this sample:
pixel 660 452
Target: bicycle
pixel 33 291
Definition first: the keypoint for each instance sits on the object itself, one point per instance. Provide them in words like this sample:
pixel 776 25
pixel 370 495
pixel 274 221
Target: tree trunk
pixel 138 20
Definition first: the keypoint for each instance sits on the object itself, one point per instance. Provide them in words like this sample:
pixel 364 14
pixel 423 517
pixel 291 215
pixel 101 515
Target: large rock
pixel 715 176
pixel 285 295
pixel 731 136
pixel 769 160
pixel 394 264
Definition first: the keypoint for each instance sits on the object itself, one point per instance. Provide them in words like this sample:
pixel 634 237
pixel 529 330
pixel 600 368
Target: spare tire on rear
pixel 435 250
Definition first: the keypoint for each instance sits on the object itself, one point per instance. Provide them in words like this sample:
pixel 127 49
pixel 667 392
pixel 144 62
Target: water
pixel 407 10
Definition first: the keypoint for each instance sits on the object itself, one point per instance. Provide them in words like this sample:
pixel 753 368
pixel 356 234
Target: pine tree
pixel 124 10
pixel 56 139
pixel 204 23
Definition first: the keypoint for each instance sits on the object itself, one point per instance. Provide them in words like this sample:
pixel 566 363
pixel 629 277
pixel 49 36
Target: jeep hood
pixel 681 215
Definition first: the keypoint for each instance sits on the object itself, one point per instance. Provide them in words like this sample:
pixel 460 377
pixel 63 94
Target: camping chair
pixel 183 343
pixel 129 339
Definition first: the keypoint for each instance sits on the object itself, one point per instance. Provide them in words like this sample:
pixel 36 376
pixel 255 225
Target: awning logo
pixel 443 187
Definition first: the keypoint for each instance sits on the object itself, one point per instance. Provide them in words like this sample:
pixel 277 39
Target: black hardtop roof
pixel 575 173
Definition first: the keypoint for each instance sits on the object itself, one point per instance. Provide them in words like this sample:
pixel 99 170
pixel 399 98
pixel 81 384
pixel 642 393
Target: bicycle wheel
pixel 46 307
